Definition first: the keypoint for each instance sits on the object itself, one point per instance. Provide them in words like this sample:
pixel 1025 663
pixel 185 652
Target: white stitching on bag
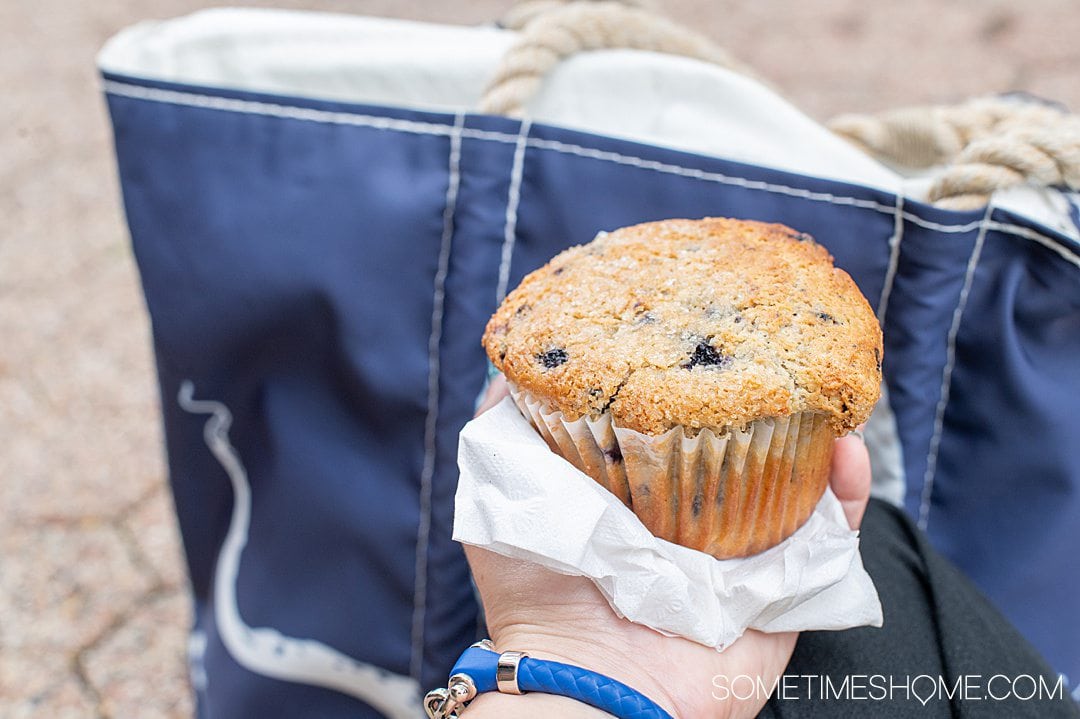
pixel 709 176
pixel 947 371
pixel 1029 234
pixel 513 199
pixel 431 421
pixel 344 118
pixel 894 260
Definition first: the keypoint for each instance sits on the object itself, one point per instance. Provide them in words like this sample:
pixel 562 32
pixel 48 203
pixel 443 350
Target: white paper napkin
pixel 518 498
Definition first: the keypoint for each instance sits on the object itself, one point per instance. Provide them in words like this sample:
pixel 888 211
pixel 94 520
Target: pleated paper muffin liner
pixel 728 492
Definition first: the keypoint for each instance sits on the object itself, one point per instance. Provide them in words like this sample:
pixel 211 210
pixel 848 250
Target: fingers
pixel 497 389
pixel 850 480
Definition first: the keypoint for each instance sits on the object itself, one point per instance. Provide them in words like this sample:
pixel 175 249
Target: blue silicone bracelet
pixel 538 675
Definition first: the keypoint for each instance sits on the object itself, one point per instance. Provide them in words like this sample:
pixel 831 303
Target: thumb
pixel 850 480
pixel 496 390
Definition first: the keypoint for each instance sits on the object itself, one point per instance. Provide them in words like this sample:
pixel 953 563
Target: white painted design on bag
pixel 264 650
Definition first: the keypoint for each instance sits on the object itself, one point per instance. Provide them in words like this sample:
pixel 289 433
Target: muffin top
pixel 694 323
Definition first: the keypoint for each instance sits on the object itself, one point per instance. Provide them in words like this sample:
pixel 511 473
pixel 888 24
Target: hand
pixel 566 619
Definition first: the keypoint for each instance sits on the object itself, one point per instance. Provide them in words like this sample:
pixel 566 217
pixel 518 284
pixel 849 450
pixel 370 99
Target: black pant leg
pixel 937 624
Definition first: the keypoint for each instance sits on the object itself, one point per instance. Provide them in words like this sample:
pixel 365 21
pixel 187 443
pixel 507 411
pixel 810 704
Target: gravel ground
pixel 93 605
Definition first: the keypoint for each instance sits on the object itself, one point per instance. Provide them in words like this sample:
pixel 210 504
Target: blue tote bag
pixel 323 226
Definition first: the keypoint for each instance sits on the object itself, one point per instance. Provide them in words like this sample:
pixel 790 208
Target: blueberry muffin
pixel 698 369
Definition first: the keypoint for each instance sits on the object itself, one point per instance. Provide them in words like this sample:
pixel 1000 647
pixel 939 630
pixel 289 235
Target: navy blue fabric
pixel 289 259
pixel 1013 402
pixel 929 279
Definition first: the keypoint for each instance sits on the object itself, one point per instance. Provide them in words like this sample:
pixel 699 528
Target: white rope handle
pixel 552 31
pixel 986 144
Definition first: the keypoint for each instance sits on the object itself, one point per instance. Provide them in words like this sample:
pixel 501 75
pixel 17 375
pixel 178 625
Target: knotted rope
pixel 986 144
